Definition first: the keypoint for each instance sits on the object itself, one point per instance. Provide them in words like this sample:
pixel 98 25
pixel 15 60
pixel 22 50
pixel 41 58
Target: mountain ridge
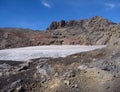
pixel 63 23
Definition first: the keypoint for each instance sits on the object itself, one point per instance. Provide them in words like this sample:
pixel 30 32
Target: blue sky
pixel 38 14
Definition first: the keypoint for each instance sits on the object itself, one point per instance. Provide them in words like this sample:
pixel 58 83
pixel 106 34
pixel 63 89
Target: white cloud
pixel 110 5
pixel 46 4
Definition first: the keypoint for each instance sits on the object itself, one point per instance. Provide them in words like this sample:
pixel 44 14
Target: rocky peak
pixel 100 19
pixel 97 17
pixel 55 24
pixel 96 20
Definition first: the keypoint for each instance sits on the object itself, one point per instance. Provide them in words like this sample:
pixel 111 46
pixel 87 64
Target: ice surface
pixel 26 53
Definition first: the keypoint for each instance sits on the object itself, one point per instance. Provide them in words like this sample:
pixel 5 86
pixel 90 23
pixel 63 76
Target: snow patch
pixel 26 53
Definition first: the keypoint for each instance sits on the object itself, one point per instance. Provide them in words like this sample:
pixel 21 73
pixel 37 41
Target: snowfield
pixel 26 53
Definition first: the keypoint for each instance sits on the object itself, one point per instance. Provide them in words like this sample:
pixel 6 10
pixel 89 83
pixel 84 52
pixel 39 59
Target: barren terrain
pixel 88 59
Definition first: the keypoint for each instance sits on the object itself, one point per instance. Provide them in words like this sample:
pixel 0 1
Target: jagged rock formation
pixel 97 22
pixel 55 24
pixel 96 30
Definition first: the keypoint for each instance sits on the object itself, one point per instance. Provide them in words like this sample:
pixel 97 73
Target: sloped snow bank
pixel 26 53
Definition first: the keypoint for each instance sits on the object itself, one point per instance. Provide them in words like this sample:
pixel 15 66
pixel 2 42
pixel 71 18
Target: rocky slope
pixel 14 37
pixel 96 30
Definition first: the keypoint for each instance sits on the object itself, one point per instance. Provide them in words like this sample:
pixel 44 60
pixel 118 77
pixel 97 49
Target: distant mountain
pixel 93 31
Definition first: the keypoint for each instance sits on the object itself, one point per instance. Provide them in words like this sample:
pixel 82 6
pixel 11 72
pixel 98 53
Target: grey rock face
pixel 45 71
